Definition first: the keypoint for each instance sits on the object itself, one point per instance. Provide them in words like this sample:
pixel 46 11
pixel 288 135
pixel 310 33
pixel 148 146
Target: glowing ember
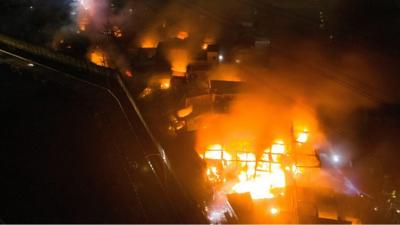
pixel 182 35
pixel 117 32
pixel 165 84
pixel 149 41
pixel 128 73
pixel 98 57
pixel 83 22
pixel 146 92
pixel 185 111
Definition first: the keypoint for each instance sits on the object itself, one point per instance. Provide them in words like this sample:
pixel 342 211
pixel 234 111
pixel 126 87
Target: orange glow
pixel 216 152
pixel 98 57
pixel 117 32
pixel 261 141
pixel 165 84
pixel 259 177
pixel 182 35
pixel 302 137
pixel 179 59
pixel 128 73
pixel 262 134
pixel 273 211
pixel 83 22
pixel 204 46
pixel 185 111
pixel 162 82
pixel 146 92
pixel 149 42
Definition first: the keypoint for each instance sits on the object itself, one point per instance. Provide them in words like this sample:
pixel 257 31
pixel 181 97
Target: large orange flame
pixel 257 176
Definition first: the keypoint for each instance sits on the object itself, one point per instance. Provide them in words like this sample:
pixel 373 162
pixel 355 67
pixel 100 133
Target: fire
pixel 259 177
pixel 216 152
pixel 146 92
pixel 179 59
pixel 117 32
pixel 98 57
pixel 185 111
pixel 274 211
pixel 204 46
pixel 149 43
pixel 162 82
pixel 165 83
pixel 265 175
pixel 182 35
pixel 302 137
pixel 149 40
pixel 83 22
pixel 128 73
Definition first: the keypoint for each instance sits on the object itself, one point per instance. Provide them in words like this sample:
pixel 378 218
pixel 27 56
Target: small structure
pixel 212 53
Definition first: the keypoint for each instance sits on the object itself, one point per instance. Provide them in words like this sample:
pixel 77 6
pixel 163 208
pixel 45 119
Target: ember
pixel 98 57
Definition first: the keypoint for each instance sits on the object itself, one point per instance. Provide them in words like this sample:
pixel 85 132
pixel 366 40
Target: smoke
pixel 306 88
pixel 94 12
pixel 183 29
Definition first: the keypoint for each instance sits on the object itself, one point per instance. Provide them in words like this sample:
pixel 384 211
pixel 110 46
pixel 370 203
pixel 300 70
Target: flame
pixel 149 41
pixel 302 137
pixel 146 92
pixel 259 177
pixel 98 57
pixel 165 83
pixel 83 22
pixel 265 176
pixel 161 81
pixel 185 111
pixel 274 211
pixel 117 32
pixel 128 73
pixel 204 46
pixel 179 59
pixel 182 35
pixel 216 152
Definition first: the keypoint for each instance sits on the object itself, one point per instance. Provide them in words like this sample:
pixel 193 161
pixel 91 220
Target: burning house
pixel 214 98
pixel 212 53
pixel 273 181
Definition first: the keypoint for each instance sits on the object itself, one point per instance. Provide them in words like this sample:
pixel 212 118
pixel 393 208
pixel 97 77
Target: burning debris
pixel 149 42
pixel 162 82
pixel 117 32
pixel 182 35
pixel 98 57
pixel 180 58
pixel 253 142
